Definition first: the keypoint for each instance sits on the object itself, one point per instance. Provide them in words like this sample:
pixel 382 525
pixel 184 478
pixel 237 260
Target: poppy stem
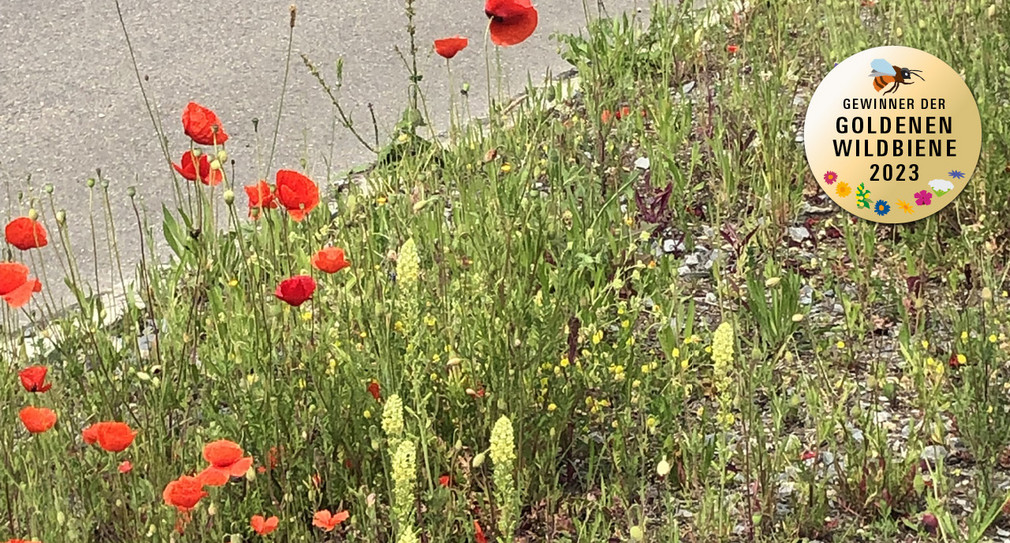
pixel 487 71
pixel 284 88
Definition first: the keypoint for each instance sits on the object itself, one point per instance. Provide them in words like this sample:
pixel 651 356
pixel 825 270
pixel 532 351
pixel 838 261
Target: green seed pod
pixel 33 214
pixel 229 197
pixel 48 188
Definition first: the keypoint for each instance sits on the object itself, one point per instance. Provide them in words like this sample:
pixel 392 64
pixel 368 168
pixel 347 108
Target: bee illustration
pixel 884 74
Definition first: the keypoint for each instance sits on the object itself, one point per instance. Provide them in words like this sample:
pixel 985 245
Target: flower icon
pixel 941 186
pixel 843 189
pixel 905 206
pixel 956 174
pixel 923 198
pixel 830 177
pixel 881 208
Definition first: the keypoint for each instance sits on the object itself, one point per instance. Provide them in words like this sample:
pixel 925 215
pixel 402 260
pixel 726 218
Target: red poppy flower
pixel 16 287
pixel 263 526
pixel 26 233
pixel 330 260
pixel 226 461
pixel 90 434
pixel 125 466
pixel 202 125
pixel 34 379
pixel 37 419
pixel 261 197
pixel 448 47
pixel 512 21
pixel 328 521
pixel 478 532
pixel 732 48
pixel 296 290
pixel 188 169
pixel 21 541
pixel 297 193
pixel 445 480
pixel 184 493
pixel 115 436
pixel 373 389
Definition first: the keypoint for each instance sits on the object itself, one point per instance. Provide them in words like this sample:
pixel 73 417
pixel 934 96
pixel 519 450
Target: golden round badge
pixel 892 134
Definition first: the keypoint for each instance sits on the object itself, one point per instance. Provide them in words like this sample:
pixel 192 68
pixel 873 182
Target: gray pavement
pixel 70 102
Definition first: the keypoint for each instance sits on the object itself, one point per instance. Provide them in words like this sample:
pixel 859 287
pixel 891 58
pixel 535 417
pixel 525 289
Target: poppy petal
pixel 214 476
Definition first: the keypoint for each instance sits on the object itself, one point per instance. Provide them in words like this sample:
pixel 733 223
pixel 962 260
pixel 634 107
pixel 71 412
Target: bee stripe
pixel 882 81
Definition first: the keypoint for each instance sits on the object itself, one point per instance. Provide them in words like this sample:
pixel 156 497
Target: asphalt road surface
pixel 70 101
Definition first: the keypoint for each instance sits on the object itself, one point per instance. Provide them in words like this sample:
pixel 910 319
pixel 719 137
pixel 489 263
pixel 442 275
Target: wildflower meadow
pixel 614 306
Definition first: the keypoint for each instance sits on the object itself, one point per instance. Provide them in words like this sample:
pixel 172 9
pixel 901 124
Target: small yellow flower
pixel 367 414
pixel 964 336
pixel 233 283
pixel 564 362
pixel 840 344
pixel 842 189
pixel 992 338
pixel 552 407
pixel 506 168
pixel 961 359
pixel 597 337
pixel 381 200
pixel 307 316
pixel 925 344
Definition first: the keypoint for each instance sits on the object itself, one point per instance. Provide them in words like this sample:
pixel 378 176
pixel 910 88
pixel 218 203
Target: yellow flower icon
pixel 842 189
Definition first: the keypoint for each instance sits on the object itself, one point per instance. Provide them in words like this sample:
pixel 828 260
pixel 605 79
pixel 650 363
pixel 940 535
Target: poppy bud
pixel 32 214
pixel 478 460
pixel 61 217
pixel 636 533
pixel 48 187
pixel 465 90
pixel 235 538
pixel 222 156
pixel 91 182
pixel 212 509
pixel 215 164
pixel 131 191
pixel 229 197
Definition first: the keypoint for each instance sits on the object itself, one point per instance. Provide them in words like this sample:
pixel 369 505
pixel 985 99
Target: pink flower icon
pixel 923 198
pixel 830 177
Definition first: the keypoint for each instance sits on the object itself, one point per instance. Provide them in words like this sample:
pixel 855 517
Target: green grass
pixel 543 294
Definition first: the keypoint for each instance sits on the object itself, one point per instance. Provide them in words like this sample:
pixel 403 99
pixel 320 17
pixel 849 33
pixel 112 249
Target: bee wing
pixel 882 66
pixel 876 73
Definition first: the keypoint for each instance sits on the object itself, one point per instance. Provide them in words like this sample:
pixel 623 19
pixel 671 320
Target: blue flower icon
pixel 881 208
pixel 956 174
